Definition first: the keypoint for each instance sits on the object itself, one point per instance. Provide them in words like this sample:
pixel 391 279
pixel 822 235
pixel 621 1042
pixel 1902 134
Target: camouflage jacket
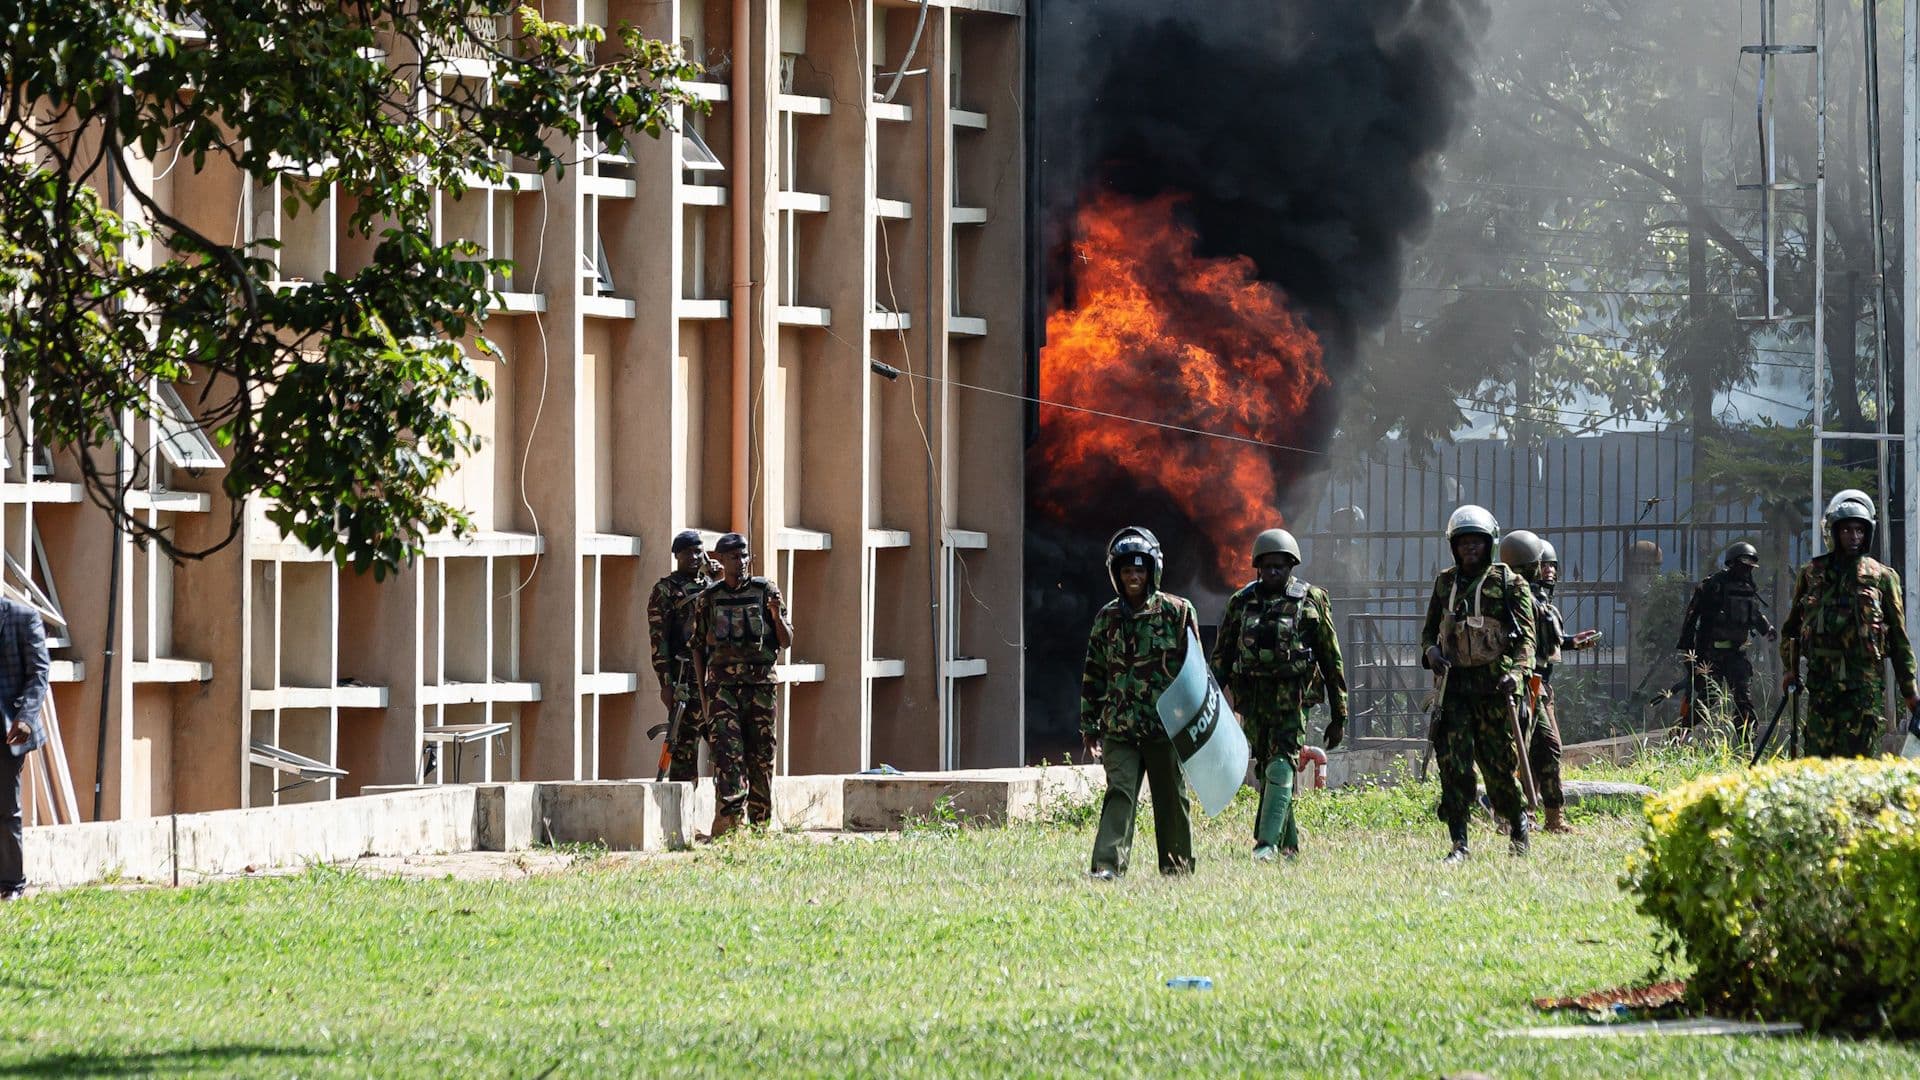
pixel 1549 632
pixel 733 631
pixel 1508 597
pixel 1288 634
pixel 1846 621
pixel 1132 657
pixel 670 624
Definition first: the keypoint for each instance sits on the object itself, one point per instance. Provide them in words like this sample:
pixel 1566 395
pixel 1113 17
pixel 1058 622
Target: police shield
pixel 1213 750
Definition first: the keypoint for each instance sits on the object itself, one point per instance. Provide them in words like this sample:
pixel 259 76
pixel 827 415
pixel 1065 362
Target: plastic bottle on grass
pixel 1190 982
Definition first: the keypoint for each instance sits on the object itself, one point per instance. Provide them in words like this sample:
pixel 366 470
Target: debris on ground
pixel 1660 995
pixel 1701 1026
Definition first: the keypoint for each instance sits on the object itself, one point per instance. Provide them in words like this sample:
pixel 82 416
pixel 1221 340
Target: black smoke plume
pixel 1303 133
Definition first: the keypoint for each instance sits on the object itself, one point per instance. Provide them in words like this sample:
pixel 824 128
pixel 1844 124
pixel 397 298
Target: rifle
pixel 670 729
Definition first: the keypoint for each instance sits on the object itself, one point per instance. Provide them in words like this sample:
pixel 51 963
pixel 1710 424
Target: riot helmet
pixel 1547 554
pixel 1521 549
pixel 1274 541
pixel 1472 520
pixel 1849 505
pixel 1741 552
pixel 1134 545
pixel 1347 519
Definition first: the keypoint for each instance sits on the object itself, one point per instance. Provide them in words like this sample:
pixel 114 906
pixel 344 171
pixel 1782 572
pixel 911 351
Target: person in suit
pixel 23 686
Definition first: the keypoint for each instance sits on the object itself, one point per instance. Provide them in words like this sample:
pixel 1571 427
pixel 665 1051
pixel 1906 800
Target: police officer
pixel 1847 620
pixel 1536 561
pixel 670 631
pixel 739 627
pixel 1722 617
pixel 1277 657
pixel 1478 639
pixel 1136 648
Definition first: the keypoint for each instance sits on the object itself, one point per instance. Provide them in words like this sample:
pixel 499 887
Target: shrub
pixel 1794 889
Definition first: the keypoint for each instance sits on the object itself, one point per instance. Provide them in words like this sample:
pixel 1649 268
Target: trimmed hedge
pixel 1794 889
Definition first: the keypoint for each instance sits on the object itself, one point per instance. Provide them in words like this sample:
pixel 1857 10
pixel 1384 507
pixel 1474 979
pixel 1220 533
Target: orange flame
pixel 1161 334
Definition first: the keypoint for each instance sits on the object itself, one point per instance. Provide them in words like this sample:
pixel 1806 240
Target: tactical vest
pixel 1273 641
pixel 1732 611
pixel 1841 617
pixel 1471 637
pixel 739 630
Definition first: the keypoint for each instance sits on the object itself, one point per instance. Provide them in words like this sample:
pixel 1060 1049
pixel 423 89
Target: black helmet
pixel 1133 546
pixel 1521 549
pixel 1741 552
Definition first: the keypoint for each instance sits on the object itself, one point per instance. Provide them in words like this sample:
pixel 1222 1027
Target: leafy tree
pixel 1591 244
pixel 335 400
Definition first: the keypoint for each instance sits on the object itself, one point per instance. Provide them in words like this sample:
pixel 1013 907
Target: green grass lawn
pixel 947 952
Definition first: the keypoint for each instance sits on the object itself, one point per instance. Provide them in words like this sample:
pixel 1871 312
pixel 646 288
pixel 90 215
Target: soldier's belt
pixel 1727 646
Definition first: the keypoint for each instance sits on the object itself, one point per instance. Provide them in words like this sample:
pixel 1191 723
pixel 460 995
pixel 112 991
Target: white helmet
pixel 1849 505
pixel 1471 520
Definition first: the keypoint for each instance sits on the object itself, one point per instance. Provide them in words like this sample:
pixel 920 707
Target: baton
pixel 1767 737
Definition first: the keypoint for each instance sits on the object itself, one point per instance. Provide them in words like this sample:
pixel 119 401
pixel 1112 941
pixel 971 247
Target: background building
pixel 690 338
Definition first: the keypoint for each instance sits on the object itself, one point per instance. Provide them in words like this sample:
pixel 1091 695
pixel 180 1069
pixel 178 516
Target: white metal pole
pixel 1819 241
pixel 1909 310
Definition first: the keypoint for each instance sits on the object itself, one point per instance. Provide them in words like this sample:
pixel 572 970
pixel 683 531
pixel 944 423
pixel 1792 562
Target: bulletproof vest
pixel 1474 635
pixel 740 630
pixel 1842 616
pixel 1272 639
pixel 1732 611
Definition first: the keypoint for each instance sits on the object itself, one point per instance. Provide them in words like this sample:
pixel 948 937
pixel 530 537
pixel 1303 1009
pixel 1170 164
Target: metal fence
pixel 1594 498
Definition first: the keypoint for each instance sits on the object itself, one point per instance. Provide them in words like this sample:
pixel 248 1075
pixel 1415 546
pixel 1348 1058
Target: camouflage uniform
pixel 1132 657
pixel 1847 620
pixel 733 629
pixel 1475 720
pixel 1543 743
pixel 1278 655
pixel 670 629
pixel 1721 619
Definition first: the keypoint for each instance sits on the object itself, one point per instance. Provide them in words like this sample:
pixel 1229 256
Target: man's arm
pixel 25 707
pixel 1226 641
pixel 1899 646
pixel 777 610
pixel 1325 644
pixel 658 614
pixel 1790 627
pixel 1519 654
pixel 1690 622
pixel 1430 630
pixel 1093 682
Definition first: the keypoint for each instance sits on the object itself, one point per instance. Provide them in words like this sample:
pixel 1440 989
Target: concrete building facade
pixel 690 337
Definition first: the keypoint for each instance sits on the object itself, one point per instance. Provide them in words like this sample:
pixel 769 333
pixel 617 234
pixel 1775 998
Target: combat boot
pixel 722 825
pixel 1557 821
pixel 1517 840
pixel 1457 833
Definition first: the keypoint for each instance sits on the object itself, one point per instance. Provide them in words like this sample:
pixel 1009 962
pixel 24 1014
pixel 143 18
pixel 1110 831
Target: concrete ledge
pixel 803 803
pixel 1619 750
pixel 503 816
pixel 64 855
pixel 404 823
pixel 625 815
pixel 984 796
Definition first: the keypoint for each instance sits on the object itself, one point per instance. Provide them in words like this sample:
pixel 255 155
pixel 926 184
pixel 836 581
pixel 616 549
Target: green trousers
pixel 1127 764
pixel 1273 825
